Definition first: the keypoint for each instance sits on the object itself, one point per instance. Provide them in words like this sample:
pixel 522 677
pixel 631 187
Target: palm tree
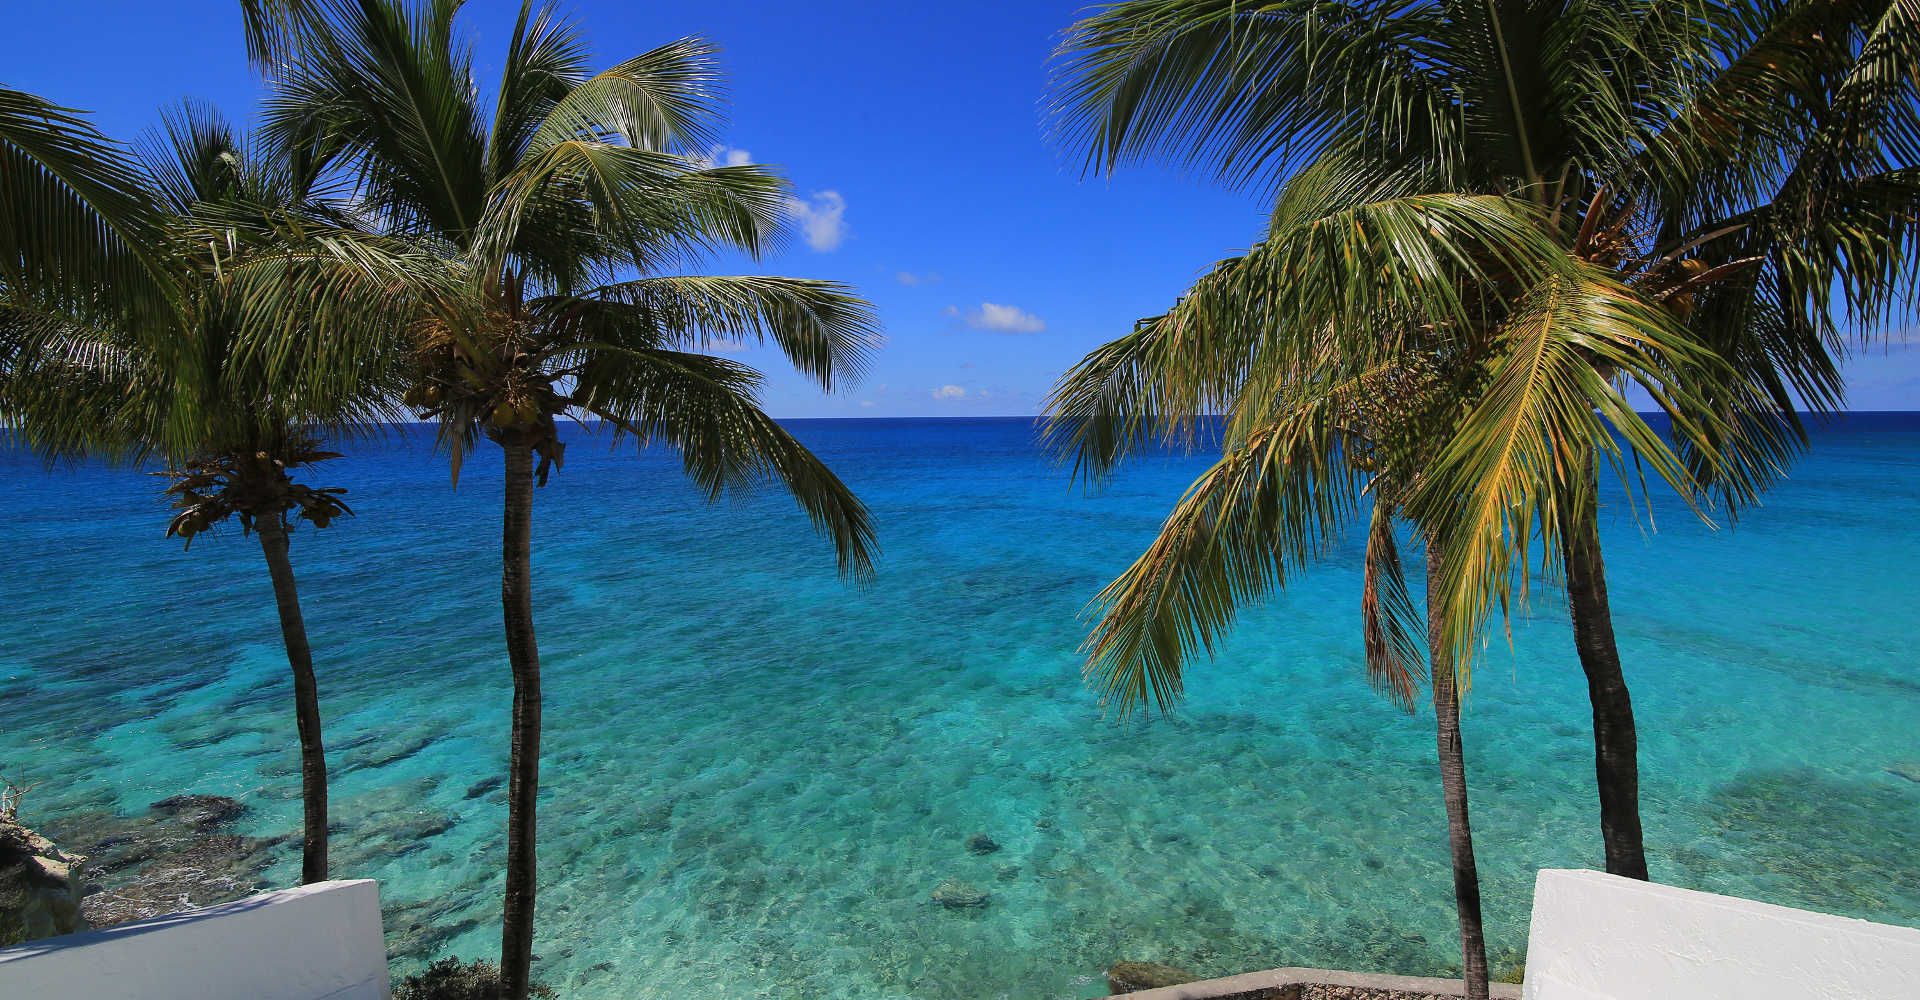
pixel 550 199
pixel 1296 461
pixel 1699 198
pixel 244 244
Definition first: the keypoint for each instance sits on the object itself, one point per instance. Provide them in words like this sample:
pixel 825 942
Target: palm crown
pixel 548 200
pixel 1552 201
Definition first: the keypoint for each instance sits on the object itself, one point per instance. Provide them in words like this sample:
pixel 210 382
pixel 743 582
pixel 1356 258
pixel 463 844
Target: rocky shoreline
pixel 179 854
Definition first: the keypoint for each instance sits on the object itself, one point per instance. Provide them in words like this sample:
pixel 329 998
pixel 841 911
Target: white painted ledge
pixel 1602 937
pixel 316 942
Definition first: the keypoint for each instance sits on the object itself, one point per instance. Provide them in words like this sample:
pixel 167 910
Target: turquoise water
pixel 755 775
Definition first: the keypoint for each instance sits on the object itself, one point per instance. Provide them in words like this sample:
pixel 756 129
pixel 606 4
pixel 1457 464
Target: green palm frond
pixel 74 217
pixel 1243 88
pixel 546 60
pixel 1390 623
pixel 667 99
pixel 1516 462
pixel 821 326
pixel 705 408
pixel 1270 505
pixel 1361 274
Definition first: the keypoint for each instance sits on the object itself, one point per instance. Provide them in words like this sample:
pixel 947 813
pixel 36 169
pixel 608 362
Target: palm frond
pixel 705 408
pixel 821 326
pixel 1390 623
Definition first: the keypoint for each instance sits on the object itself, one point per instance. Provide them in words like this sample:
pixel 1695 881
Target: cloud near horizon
pixel 821 219
pixel 949 392
pixel 999 318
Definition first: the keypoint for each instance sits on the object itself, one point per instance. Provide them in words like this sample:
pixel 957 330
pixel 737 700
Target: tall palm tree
pixel 1297 460
pixel 551 199
pixel 1700 198
pixel 243 244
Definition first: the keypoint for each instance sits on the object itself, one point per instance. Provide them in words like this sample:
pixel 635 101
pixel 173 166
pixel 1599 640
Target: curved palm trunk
pixel 1615 747
pixel 306 698
pixel 523 782
pixel 1453 787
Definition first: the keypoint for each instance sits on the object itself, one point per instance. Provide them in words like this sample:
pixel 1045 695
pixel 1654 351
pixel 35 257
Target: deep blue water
pixel 756 774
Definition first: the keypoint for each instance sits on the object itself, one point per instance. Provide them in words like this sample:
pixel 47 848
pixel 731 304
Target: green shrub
pixel 452 979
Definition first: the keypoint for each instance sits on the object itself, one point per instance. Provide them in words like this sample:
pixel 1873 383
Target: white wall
pixel 1603 937
pixel 317 942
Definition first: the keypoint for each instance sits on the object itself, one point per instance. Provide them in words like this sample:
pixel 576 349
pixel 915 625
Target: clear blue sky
pixel 912 133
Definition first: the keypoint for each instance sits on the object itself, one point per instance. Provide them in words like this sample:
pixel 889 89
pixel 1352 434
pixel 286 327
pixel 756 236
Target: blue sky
pixel 914 138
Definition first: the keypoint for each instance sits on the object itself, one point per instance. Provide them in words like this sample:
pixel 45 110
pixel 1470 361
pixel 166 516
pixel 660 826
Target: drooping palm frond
pixel 1515 464
pixel 824 330
pixel 1395 651
pixel 1272 503
pixel 1360 274
pixel 74 219
pixel 705 408
pixel 1244 88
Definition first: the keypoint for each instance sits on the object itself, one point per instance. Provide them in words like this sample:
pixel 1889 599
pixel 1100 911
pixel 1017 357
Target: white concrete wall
pixel 317 942
pixel 1603 937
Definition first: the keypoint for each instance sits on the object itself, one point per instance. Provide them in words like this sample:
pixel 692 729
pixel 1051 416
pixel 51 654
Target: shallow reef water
pixel 756 776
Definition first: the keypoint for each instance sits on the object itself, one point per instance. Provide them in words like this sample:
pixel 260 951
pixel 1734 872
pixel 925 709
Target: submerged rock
pixel 201 811
pixel 958 896
pixel 980 843
pixel 1909 769
pixel 40 887
pixel 1129 977
pixel 484 785
pixel 175 856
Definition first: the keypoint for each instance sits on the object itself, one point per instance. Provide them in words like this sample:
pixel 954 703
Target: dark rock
pixel 178 873
pixel 381 756
pixel 1130 977
pixel 958 896
pixel 1909 770
pixel 484 785
pixel 201 811
pixel 657 818
pixel 980 843
pixel 40 887
pixel 173 857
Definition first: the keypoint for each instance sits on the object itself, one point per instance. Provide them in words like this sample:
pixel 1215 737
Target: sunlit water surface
pixel 755 775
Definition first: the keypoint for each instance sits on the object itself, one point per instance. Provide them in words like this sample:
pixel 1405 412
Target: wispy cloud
pixel 910 278
pixel 722 345
pixel 821 218
pixel 722 156
pixel 999 318
pixel 949 392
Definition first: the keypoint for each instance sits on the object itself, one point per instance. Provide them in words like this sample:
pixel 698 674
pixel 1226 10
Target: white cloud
pixel 949 392
pixel 999 319
pixel 910 278
pixel 822 219
pixel 721 156
pixel 866 402
pixel 721 345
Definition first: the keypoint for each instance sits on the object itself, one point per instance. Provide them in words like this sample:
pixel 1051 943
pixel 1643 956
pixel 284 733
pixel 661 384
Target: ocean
pixel 756 774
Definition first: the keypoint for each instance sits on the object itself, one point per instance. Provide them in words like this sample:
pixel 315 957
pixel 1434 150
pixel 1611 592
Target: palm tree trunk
pixel 306 698
pixel 1615 751
pixel 523 782
pixel 1453 787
